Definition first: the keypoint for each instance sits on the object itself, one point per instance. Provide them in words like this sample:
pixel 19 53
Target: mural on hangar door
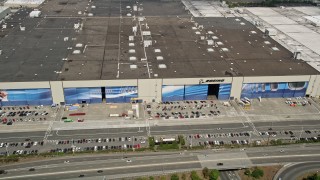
pixel 14 97
pixel 274 90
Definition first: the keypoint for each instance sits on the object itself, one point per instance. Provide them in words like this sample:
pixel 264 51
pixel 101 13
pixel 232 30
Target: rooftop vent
pixel 275 49
pixel 197 32
pixel 162 66
pixel 215 37
pixel 219 43
pixel 237 19
pixel 157 50
pixel 267 42
pixel 210 32
pixel 210 42
pixel 132 58
pixel 79 45
pixel 129 14
pixel 93 7
pixel 131 38
pixel 131 44
pixel 132 51
pixel 242 23
pixel 159 58
pixel 90 14
pixel 253 32
pixel 210 50
pixel 224 49
pixel 76 52
pixel 133 66
pixel 194 28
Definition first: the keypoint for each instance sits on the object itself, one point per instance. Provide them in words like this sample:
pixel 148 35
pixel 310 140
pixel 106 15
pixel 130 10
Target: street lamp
pixel 7 149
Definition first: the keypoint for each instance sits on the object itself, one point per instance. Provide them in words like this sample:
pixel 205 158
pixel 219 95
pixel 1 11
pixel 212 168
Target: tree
pixel 214 174
pixel 315 176
pixel 151 178
pixel 205 172
pixel 257 173
pixel 174 177
pixel 142 178
pixel 194 176
pixel 151 142
pixel 163 178
pixel 181 140
pixel 184 176
pixel 247 172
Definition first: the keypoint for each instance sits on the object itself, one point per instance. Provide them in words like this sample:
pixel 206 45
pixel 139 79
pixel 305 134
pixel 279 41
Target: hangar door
pixel 16 97
pixel 120 94
pixel 274 90
pixel 195 92
pixel 83 95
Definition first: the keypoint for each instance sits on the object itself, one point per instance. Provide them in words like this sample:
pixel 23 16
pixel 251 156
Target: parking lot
pixel 72 145
pixel 187 109
pixel 282 106
pixel 26 114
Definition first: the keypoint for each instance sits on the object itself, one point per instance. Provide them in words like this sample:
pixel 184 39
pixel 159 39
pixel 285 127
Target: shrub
pixel 247 172
pixel 257 173
pixel 151 142
pixel 205 172
pixel 181 140
pixel 194 176
pixel 184 176
pixel 174 177
pixel 214 174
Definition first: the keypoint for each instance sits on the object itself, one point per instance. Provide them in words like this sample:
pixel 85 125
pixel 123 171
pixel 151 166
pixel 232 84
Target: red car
pixel 80 120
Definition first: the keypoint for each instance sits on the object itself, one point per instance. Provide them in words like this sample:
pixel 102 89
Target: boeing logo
pixel 201 81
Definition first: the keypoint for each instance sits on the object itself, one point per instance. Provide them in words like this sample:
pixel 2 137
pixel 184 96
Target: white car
pixel 35 143
pixel 143 142
pixel 129 160
pixel 1 145
pixel 99 140
pixel 129 139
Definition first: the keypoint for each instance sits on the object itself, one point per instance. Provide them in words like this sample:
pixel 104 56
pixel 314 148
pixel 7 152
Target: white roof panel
pixel 312 11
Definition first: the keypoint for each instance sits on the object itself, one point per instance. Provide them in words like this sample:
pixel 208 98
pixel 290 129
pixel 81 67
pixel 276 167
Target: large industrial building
pixel 114 51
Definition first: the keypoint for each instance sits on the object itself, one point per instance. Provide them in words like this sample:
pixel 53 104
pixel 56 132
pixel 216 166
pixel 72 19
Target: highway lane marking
pixel 24 137
pixel 167 163
pixel 137 159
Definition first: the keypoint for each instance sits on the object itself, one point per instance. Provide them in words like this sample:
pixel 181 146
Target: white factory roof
pixel 294 30
pixel 24 2
pixel 205 8
pixel 3 8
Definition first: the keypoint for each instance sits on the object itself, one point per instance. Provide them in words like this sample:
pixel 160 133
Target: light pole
pixel 7 150
pixel 132 143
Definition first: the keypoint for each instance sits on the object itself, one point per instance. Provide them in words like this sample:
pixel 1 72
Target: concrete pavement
pixel 293 171
pixel 155 163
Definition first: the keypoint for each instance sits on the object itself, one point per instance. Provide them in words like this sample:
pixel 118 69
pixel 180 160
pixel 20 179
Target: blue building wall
pixel 78 95
pixel 274 90
pixel 192 92
pixel 16 97
pixel 121 94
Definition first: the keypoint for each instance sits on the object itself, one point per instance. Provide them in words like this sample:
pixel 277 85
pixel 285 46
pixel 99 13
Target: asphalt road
pixel 296 170
pixel 161 130
pixel 157 163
